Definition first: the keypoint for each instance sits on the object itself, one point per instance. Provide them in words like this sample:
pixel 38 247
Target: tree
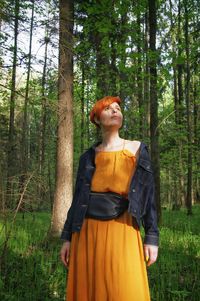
pixel 64 169
pixel 189 119
pixel 25 132
pixel 154 102
pixel 11 139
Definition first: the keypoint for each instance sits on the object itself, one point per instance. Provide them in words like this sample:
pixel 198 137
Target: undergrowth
pixel 31 269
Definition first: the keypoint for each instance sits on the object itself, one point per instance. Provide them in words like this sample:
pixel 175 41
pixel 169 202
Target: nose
pixel 114 110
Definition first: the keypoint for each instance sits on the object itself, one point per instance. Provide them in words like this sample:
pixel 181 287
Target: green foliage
pixel 31 269
pixel 175 275
pixel 111 56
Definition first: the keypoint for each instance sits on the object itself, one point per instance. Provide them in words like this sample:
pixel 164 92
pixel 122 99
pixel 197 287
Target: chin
pixel 113 125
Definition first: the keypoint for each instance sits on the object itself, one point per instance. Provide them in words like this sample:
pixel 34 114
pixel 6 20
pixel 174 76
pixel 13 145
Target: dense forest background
pixel 57 57
pixel 147 52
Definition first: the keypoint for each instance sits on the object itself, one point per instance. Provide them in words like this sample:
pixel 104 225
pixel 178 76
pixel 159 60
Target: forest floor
pixel 31 269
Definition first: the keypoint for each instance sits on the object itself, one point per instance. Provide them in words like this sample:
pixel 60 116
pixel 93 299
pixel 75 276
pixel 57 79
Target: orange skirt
pixel 107 262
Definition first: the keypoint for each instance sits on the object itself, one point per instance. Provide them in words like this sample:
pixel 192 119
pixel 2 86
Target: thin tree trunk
pixel 146 81
pixel 175 92
pixel 122 37
pixel 189 119
pixel 50 185
pixel 177 199
pixel 139 77
pixel 42 132
pixel 64 168
pixel 196 141
pixel 87 114
pixel 113 68
pixel 25 132
pixel 180 112
pixel 11 140
pixel 154 102
pixel 82 107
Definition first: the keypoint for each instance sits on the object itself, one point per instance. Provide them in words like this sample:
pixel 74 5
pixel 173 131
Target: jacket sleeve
pixel 150 218
pixel 67 230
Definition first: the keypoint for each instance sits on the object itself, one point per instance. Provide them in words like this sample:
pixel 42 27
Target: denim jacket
pixel 141 196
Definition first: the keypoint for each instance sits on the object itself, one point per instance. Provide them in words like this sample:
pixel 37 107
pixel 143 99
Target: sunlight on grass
pixel 31 269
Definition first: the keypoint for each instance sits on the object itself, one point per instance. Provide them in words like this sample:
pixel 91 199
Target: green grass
pixel 175 276
pixel 31 269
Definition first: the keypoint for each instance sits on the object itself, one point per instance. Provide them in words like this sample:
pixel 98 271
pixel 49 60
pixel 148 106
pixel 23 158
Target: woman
pixel 103 250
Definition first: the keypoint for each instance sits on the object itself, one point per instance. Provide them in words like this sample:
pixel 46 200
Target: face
pixel 111 116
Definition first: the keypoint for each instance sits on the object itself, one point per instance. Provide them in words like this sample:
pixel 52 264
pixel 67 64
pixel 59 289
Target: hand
pixel 64 253
pixel 150 253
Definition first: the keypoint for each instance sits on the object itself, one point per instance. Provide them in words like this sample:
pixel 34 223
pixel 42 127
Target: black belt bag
pixel 106 205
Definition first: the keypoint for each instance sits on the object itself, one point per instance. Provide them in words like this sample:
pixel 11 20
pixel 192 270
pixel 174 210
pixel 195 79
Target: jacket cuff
pixel 66 235
pixel 151 240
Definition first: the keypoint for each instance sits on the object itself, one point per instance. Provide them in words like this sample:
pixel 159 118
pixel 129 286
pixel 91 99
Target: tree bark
pixel 175 174
pixel 43 121
pixel 146 80
pixel 189 119
pixel 11 140
pixel 24 143
pixel 196 141
pixel 64 169
pixel 180 112
pixel 155 155
pixel 139 77
pixel 82 106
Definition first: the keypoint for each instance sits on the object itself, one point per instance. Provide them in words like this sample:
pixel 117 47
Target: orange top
pixel 114 170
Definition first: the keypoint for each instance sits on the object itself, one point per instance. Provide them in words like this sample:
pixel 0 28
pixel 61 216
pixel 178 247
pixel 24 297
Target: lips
pixel 115 116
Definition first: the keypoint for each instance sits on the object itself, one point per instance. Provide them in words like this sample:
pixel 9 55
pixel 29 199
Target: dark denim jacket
pixel 141 196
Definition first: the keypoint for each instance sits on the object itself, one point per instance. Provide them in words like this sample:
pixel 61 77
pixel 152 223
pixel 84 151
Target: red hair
pixel 100 105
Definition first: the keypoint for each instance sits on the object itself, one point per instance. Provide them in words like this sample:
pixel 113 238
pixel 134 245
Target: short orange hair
pixel 100 105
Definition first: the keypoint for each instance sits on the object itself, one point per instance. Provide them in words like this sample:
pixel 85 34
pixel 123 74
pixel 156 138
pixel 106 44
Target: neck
pixel 111 138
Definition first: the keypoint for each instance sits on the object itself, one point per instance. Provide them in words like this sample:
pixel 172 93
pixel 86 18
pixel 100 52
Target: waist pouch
pixel 106 205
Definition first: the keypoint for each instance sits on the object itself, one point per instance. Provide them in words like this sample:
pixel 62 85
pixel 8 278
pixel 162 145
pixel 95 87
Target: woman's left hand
pixel 150 253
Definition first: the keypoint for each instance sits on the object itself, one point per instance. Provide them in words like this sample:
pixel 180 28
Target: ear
pixel 96 120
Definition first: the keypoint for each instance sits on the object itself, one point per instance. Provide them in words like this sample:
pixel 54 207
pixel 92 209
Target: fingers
pixel 64 258
pixel 151 254
pixel 64 254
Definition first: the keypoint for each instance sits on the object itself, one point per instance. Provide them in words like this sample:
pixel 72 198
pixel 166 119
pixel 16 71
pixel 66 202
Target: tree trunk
pixel 146 81
pixel 25 132
pixel 122 38
pixel 176 173
pixel 189 119
pixel 113 68
pixel 42 132
pixel 155 155
pixel 196 141
pixel 64 168
pixel 82 106
pixel 180 113
pixel 175 92
pixel 11 141
pixel 139 77
pixel 87 114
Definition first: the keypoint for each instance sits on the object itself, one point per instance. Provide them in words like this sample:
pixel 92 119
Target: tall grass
pixel 31 269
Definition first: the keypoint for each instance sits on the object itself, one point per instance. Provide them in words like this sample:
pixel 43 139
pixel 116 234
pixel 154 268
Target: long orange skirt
pixel 107 262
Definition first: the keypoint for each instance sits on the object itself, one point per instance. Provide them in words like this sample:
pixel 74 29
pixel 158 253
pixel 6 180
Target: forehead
pixel 113 104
